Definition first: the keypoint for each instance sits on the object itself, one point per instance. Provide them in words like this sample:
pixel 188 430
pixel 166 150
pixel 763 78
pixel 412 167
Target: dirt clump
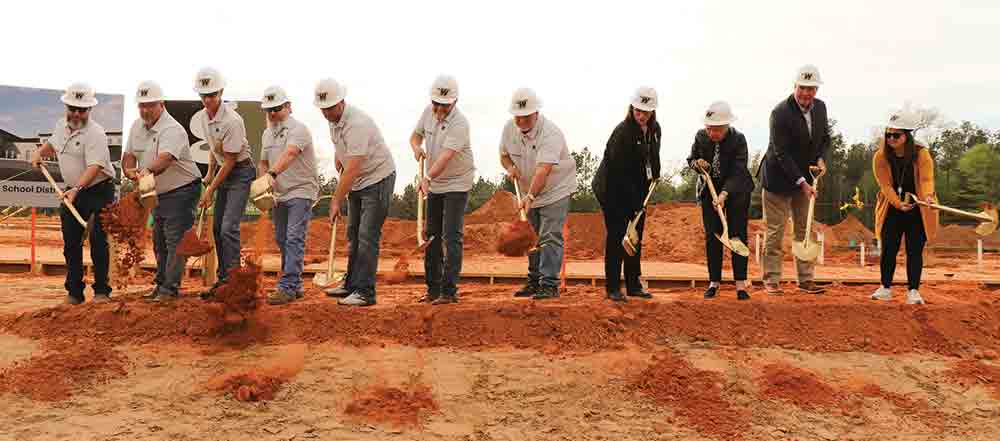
pixel 403 406
pixel 695 395
pixel 517 239
pixel 125 222
pixel 239 294
pixel 263 382
pixel 57 373
pixel 399 271
pixel 192 245
pixel 801 388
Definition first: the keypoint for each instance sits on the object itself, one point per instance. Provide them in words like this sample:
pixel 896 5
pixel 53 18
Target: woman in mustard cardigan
pixel 901 167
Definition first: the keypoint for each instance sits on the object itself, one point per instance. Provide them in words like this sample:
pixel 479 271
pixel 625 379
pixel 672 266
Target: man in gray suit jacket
pixel 800 136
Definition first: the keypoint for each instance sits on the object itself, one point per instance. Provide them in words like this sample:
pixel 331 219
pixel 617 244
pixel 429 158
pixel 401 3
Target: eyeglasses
pixel 437 104
pixel 74 109
pixel 210 95
pixel 274 109
pixel 893 135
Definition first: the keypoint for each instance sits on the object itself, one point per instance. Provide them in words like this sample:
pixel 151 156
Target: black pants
pixel 443 257
pixel 616 222
pixel 737 209
pixel 898 224
pixel 88 202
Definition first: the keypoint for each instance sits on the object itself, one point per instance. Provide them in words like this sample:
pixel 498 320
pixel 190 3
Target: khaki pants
pixel 777 208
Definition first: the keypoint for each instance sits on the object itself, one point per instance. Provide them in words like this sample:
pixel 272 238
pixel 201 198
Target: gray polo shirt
pixel 451 134
pixel 357 135
pixel 225 133
pixel 544 144
pixel 81 149
pixel 300 179
pixel 166 136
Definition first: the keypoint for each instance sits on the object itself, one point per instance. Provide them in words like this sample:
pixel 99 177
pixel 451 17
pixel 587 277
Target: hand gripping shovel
pixel 808 250
pixel 72 209
pixel 988 217
pixel 421 203
pixel 734 244
pixel 324 280
pixel 631 240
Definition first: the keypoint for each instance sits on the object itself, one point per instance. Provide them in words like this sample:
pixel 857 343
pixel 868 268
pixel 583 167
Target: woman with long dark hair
pixel 631 163
pixel 903 167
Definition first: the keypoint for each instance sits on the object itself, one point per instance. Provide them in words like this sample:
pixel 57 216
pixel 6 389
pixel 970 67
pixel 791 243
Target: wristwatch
pixel 273 174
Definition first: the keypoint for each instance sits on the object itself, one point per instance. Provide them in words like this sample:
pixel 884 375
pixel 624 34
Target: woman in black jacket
pixel 631 162
pixel 721 150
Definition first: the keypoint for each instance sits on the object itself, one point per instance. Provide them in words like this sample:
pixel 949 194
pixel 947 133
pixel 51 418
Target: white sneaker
pixel 913 298
pixel 882 293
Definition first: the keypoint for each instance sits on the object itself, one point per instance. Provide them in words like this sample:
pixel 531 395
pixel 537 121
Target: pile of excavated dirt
pixel 125 223
pixel 62 369
pixel 404 406
pixel 262 382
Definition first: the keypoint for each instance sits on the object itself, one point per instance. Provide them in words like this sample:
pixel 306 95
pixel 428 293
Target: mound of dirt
pixel 502 207
pixel 851 229
pixel 57 373
pixel 695 395
pixel 801 388
pixel 404 406
pixel 972 373
pixel 261 383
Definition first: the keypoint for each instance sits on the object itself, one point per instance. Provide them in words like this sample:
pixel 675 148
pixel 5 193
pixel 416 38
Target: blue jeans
pixel 367 209
pixel 545 264
pixel 445 222
pixel 291 222
pixel 172 217
pixel 230 202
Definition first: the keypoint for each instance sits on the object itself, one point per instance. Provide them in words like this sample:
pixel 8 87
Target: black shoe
pixel 529 290
pixel 641 293
pixel 74 300
pixel 210 293
pixel 338 291
pixel 151 295
pixel 711 292
pixel 616 296
pixel 546 292
pixel 444 300
pixel 742 295
pixel 429 298
pixel 811 287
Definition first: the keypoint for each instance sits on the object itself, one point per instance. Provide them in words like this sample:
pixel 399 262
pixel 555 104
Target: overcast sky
pixel 583 58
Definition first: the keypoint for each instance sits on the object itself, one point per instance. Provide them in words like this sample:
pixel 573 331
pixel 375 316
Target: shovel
pixel 147 192
pixel 72 209
pixel 261 194
pixel 988 217
pixel 808 250
pixel 519 238
pixel 191 243
pixel 734 244
pixel 401 269
pixel 631 240
pixel 323 280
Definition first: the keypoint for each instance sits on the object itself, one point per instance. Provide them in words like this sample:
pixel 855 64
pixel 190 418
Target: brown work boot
pixel 773 289
pixel 811 287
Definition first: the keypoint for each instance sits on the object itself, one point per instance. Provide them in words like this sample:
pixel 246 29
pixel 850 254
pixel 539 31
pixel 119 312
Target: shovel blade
pixel 629 247
pixel 805 251
pixel 738 247
pixel 321 280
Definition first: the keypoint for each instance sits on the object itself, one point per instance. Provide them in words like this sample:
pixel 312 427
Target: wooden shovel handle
pixel 979 216
pixel 333 244
pixel 420 204
pixel 517 191
pixel 59 192
pixel 715 196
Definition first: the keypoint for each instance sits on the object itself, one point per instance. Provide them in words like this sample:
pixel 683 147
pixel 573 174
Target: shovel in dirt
pixel 808 250
pixel 518 238
pixel 324 280
pixel 988 217
pixel 734 244
pixel 191 243
pixel 401 269
pixel 631 240
pixel 59 193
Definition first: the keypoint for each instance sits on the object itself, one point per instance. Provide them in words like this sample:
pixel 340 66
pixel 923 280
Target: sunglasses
pixel 74 109
pixel 274 109
pixel 210 95
pixel 437 104
pixel 891 135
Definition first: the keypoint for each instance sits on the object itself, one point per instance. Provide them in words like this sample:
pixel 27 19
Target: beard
pixel 76 124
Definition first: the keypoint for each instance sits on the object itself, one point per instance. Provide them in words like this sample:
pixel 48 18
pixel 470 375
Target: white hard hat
pixel 148 92
pixel 719 114
pixel 808 76
pixel 444 90
pixel 329 93
pixel 903 119
pixel 208 80
pixel 524 102
pixel 197 125
pixel 645 99
pixel 199 152
pixel 79 95
pixel 274 96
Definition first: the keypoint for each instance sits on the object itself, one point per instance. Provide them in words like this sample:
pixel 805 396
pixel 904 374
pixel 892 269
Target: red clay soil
pixel 516 239
pixel 57 373
pixel 192 245
pixel 239 294
pixel 394 406
pixel 802 388
pixel 263 382
pixel 921 408
pixel 695 395
pixel 399 271
pixel 970 373
pixel 125 222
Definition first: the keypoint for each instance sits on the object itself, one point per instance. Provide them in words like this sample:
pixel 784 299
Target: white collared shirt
pixel 225 133
pixel 544 144
pixel 357 135
pixel 166 136
pixel 450 134
pixel 77 150
pixel 300 179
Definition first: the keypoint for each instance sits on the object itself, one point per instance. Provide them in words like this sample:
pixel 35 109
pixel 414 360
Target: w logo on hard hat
pixel 321 96
pixel 205 82
pixel 709 114
pixel 269 98
pixel 645 99
pixel 807 76
pixel 143 92
pixel 521 104
pixel 444 91
pixel 893 117
pixel 80 95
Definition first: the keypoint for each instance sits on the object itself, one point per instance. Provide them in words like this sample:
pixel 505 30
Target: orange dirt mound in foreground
pixel 261 383
pixel 63 368
pixel 398 407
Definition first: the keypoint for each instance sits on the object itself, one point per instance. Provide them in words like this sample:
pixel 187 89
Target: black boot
pixel 711 292
pixel 742 295
pixel 546 292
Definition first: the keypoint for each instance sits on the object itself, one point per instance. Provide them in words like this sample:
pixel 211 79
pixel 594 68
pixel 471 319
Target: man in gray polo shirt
pixel 159 144
pixel 443 129
pixel 81 147
pixel 230 171
pixel 534 152
pixel 288 157
pixel 367 178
